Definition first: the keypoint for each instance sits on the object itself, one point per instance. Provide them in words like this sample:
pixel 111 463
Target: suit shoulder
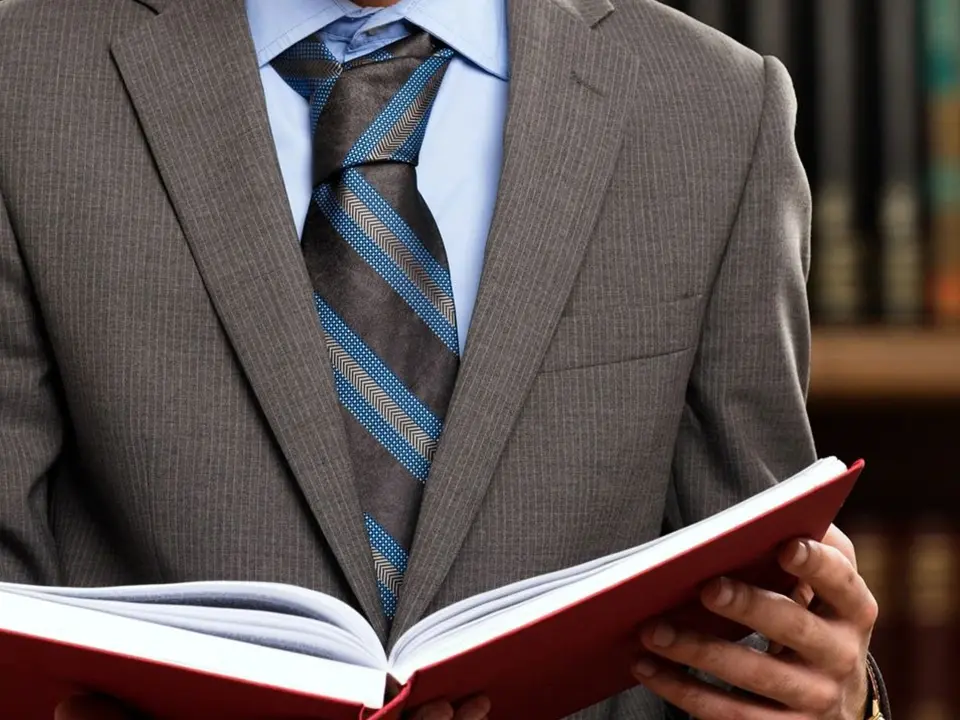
pixel 21 16
pixel 54 50
pixel 41 32
pixel 685 53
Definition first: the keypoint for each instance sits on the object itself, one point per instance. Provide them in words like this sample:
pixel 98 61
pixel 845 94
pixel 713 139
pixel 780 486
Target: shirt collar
pixel 476 29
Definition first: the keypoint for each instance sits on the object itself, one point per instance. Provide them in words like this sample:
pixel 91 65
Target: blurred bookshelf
pixel 878 131
pixel 877 362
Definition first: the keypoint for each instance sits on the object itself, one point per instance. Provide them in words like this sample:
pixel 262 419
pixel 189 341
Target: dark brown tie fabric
pixel 380 275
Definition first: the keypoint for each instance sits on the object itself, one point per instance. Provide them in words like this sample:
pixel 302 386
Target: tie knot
pixel 370 110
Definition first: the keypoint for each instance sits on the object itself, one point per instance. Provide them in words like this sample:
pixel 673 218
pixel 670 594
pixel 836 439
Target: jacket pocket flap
pixel 619 334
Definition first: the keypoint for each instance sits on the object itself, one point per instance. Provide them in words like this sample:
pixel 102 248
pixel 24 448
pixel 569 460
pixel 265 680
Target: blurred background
pixel 878 84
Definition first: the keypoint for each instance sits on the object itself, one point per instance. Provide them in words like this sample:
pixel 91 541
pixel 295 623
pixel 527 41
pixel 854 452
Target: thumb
pixel 89 707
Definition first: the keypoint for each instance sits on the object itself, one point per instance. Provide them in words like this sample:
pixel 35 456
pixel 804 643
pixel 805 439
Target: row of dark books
pixel 913 570
pixel 878 85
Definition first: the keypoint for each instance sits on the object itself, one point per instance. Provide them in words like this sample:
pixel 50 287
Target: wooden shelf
pixel 860 363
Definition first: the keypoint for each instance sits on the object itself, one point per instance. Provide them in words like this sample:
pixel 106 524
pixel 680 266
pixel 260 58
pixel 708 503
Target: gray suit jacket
pixel 638 355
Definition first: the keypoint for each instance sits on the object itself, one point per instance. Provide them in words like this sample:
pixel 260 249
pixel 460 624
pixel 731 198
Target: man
pixel 241 296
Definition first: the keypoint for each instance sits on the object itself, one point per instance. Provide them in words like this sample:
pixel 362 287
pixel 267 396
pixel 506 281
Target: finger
pixel 701 700
pixel 777 617
pixel 802 595
pixel 477 708
pixel 793 685
pixel 434 711
pixel 835 537
pixel 90 707
pixel 834 579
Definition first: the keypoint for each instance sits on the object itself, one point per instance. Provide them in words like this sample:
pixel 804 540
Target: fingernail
pixel 476 709
pixel 663 635
pixel 439 715
pixel 440 711
pixel 801 554
pixel 644 668
pixel 724 594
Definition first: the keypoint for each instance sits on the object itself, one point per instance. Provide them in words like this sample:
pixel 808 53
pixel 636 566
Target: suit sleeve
pixel 745 424
pixel 31 426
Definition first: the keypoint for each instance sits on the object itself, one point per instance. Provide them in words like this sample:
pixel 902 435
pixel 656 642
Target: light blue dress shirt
pixel 460 160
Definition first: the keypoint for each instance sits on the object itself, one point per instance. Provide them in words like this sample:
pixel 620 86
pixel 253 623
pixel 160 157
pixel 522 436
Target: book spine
pixel 838 257
pixel 710 12
pixel 902 264
pixel 942 73
pixel 932 583
pixel 770 28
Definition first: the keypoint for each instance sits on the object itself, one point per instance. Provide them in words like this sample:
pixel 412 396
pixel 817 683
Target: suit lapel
pixel 568 97
pixel 193 79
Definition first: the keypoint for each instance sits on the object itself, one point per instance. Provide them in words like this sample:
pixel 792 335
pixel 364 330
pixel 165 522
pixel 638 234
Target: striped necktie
pixel 380 275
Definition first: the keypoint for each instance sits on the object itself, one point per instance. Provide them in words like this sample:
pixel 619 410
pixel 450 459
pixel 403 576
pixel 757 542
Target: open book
pixel 544 647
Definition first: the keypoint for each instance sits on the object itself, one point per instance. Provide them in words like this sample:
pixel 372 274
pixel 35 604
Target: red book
pixel 544 647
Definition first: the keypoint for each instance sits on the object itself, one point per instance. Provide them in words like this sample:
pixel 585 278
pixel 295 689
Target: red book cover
pixel 548 669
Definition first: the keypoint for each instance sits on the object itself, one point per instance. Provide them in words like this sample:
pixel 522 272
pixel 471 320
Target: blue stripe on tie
pixel 318 100
pixel 374 57
pixel 388 600
pixel 355 181
pixel 397 107
pixel 384 433
pixel 311 48
pixel 315 90
pixel 407 153
pixel 374 367
pixel 303 86
pixel 384 265
pixel 379 56
pixel 384 543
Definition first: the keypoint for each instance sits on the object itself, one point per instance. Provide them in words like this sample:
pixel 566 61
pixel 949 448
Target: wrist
pixel 871 710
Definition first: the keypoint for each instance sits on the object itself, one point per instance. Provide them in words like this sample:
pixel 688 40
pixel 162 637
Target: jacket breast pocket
pixel 624 333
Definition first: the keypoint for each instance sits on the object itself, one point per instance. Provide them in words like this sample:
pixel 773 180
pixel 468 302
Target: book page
pixel 268 629
pixel 83 627
pixel 496 601
pixel 501 599
pixel 485 622
pixel 254 596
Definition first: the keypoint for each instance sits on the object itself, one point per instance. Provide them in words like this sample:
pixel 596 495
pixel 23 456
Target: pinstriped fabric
pixel 150 277
pixel 365 205
pixel 178 351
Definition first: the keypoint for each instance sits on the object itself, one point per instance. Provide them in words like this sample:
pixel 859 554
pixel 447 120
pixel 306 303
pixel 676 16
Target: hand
pixel 474 709
pixel 821 673
pixel 84 707
pixel 88 707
